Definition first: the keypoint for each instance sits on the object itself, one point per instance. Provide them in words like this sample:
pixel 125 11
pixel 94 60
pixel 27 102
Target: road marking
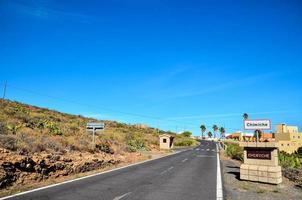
pixel 122 196
pixel 197 149
pixel 205 156
pixel 184 160
pixel 85 177
pixel 219 192
pixel 208 149
pixel 163 172
pixel 213 149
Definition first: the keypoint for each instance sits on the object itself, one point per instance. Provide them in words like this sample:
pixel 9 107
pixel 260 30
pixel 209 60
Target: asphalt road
pixel 190 174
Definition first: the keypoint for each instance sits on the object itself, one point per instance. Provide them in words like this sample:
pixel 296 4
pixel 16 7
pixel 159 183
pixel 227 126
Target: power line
pixel 93 106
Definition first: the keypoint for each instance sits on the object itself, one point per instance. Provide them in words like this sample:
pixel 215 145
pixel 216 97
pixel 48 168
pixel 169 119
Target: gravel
pixel 234 188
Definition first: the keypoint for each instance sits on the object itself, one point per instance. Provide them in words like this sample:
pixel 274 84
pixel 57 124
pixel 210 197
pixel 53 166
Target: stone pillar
pixel 261 162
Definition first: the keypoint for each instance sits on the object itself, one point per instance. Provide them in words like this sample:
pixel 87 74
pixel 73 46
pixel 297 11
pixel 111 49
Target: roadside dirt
pixel 23 172
pixel 235 189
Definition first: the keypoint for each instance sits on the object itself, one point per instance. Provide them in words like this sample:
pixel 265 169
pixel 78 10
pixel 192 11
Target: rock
pixel 293 174
pixel 23 152
pixel 67 160
pixel 55 158
pixel 105 148
pixel 7 177
pixel 26 164
pixel 59 166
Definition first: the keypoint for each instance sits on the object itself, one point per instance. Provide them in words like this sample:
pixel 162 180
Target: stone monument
pixel 261 162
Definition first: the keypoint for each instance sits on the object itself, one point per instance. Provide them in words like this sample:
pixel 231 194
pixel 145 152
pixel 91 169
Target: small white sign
pixel 95 126
pixel 257 124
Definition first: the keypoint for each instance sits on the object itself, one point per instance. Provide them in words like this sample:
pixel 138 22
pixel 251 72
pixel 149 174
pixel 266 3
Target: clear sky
pixel 175 63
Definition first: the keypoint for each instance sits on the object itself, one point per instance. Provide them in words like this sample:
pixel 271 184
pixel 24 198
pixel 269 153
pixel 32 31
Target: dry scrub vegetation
pixel 38 144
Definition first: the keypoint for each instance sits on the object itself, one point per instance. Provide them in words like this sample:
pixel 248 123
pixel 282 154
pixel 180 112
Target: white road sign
pixel 257 124
pixel 95 126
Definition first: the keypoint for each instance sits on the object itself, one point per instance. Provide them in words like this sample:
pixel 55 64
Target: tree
pixel 222 131
pixel 187 134
pixel 209 134
pixel 245 116
pixel 215 128
pixel 203 129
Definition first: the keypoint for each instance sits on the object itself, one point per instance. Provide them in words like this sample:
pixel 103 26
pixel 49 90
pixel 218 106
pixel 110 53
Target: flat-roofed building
pixel 166 141
pixel 288 137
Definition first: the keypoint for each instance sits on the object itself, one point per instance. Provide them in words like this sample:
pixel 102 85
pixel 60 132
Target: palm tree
pixel 245 116
pixel 209 134
pixel 257 134
pixel 203 129
pixel 222 131
pixel 215 128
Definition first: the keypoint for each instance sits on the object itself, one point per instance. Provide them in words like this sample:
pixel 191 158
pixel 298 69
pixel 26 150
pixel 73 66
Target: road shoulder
pixel 237 189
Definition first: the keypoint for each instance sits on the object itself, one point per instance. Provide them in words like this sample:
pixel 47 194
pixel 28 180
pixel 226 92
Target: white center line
pixel 184 160
pixel 170 168
pixel 122 196
pixel 208 149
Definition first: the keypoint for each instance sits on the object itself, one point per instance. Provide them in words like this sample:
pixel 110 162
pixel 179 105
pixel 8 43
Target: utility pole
pixel 4 90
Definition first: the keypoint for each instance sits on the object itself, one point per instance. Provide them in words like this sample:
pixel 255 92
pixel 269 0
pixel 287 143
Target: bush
pixel 299 151
pixel 8 142
pixel 3 129
pixel 185 142
pixel 289 160
pixel 135 142
pixel 234 151
pixel 187 134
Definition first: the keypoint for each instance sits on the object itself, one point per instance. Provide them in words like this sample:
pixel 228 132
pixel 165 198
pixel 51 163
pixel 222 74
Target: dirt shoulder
pixel 234 188
pixel 24 172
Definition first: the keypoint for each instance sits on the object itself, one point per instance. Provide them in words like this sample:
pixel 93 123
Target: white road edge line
pixel 122 196
pixel 89 176
pixel 219 192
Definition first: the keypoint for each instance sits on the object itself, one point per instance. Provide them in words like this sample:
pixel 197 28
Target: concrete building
pixel 166 141
pixel 288 137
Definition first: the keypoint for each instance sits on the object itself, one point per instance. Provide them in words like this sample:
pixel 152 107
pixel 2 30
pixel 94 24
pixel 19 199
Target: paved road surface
pixel 188 175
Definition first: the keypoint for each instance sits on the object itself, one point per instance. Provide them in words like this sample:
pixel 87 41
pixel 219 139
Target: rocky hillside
pixel 37 144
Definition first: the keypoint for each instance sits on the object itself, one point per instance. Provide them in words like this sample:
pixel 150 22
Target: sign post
pixel 260 159
pixel 257 125
pixel 94 127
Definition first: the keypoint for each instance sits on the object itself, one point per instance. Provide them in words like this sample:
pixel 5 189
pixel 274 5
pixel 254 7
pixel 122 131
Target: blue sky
pixel 173 63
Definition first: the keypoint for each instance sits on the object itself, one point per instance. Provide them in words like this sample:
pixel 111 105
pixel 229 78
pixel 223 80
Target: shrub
pixel 234 151
pixel 3 129
pixel 184 142
pixel 289 160
pixel 8 142
pixel 135 142
pixel 187 134
pixel 299 151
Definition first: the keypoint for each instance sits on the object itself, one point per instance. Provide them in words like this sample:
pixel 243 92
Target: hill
pixel 39 144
